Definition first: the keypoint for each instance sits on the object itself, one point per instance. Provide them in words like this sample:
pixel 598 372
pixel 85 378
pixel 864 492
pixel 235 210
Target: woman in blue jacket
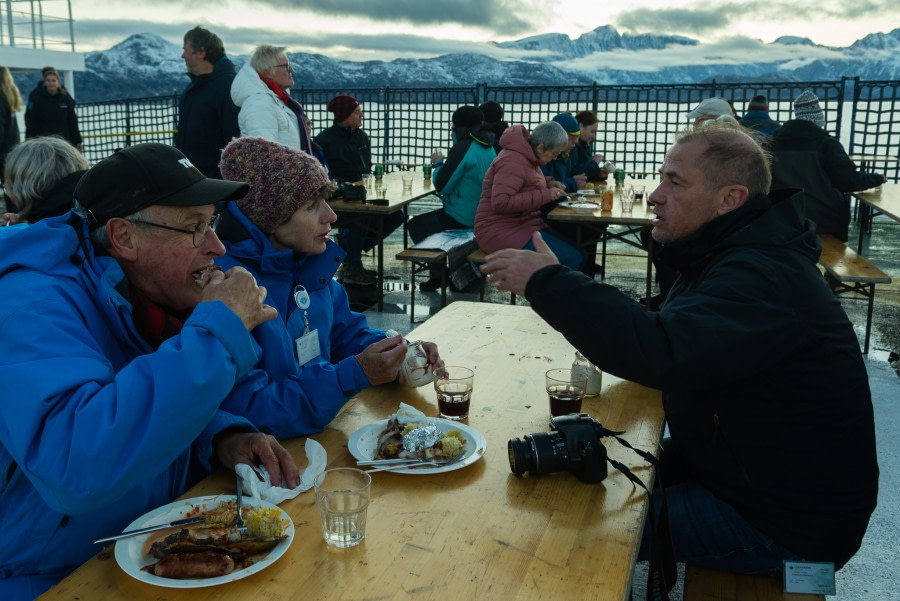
pixel 280 233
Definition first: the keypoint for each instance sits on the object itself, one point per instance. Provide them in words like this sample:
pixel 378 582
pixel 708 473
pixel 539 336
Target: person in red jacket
pixel 515 190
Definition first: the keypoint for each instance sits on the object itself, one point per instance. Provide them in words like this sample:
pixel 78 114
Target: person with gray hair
pixel 515 190
pixel 40 178
pixel 809 158
pixel 123 355
pixel 755 356
pixel 262 91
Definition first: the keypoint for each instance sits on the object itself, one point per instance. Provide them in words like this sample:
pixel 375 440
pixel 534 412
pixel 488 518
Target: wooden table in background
pixel 476 533
pixel 357 213
pixel 592 225
pixel 884 199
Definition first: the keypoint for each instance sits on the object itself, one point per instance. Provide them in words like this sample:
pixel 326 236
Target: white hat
pixel 711 106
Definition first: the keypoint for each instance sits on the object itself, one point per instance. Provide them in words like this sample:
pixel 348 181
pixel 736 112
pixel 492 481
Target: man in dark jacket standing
pixel 207 117
pixel 809 158
pixel 772 449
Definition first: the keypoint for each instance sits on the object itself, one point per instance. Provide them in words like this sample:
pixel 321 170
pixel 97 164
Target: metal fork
pixel 387 464
pixel 238 526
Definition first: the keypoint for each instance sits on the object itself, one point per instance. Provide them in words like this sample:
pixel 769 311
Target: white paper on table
pixel 407 414
pixel 263 489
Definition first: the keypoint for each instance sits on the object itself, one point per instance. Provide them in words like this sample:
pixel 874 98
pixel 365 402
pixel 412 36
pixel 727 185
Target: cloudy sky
pixel 389 29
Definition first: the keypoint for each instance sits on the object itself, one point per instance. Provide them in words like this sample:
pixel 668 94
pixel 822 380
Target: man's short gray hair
pixel 266 57
pixel 36 166
pixel 98 234
pixel 732 156
pixel 551 134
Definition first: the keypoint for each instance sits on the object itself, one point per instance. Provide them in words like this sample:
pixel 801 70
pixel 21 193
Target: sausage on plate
pixel 206 564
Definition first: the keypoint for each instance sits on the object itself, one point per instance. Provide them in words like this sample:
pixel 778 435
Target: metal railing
pixel 638 122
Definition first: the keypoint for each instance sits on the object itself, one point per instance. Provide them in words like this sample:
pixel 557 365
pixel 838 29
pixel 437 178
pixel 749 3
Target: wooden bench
pixel 479 257
pixel 422 261
pixel 702 584
pixel 850 272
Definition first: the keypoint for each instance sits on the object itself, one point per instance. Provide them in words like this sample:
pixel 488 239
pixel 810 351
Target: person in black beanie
pixel 493 121
pixel 458 180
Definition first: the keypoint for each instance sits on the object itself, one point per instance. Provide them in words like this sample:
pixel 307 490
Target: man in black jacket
pixel 809 158
pixel 772 449
pixel 207 117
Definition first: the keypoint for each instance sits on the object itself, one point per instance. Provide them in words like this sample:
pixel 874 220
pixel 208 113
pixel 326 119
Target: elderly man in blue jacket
pixel 119 346
pixel 280 232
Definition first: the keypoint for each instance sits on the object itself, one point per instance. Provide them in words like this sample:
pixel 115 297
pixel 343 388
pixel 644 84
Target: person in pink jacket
pixel 515 189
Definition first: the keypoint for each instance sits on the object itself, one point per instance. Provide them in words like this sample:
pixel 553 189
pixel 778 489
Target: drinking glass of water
pixel 342 496
pixel 453 386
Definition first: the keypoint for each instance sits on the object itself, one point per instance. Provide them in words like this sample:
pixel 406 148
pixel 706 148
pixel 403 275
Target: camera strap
pixel 648 457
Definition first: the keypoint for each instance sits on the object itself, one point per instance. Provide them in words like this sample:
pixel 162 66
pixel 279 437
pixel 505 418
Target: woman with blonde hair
pixel 10 104
pixel 262 91
pixel 40 178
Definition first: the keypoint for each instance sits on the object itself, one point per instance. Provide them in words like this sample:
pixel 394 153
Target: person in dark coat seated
pixel 809 158
pixel 771 454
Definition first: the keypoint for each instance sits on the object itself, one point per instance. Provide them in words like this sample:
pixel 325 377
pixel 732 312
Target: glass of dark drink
pixel 453 386
pixel 566 390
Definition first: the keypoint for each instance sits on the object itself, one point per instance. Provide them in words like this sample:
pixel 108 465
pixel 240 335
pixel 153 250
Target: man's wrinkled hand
pixel 238 289
pixel 255 448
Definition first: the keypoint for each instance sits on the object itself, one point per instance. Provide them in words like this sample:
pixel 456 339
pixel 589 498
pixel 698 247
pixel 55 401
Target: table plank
pixel 478 532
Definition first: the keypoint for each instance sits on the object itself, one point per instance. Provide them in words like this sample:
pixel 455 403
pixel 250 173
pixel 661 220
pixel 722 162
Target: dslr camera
pixel 348 191
pixel 573 445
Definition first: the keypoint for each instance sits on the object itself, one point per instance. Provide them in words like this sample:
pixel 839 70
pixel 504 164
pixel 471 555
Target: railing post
pixel 127 122
pixel 386 137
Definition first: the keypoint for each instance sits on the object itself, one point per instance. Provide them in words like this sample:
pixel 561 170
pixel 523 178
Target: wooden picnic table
pixel 592 226
pixel 359 213
pixel 885 199
pixel 479 532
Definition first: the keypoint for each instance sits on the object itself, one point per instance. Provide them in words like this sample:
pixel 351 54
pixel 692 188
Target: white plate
pixel 580 206
pixel 589 192
pixel 364 443
pixel 130 551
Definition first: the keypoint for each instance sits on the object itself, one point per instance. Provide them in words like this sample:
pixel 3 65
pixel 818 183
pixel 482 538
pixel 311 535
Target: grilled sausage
pixel 206 564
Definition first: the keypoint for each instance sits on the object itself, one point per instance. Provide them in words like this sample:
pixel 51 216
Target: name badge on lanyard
pixel 307 345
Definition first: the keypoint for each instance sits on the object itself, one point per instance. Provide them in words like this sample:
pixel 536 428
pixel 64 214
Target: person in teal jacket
pixel 458 180
pixel 279 232
pixel 118 347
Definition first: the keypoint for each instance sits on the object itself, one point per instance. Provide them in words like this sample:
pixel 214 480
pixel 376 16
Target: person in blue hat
pixel 560 168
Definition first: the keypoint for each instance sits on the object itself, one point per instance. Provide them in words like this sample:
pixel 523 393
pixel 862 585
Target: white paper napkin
pixel 407 413
pixel 263 489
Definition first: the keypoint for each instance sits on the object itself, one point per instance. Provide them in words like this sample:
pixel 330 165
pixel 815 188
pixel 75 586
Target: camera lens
pixel 542 453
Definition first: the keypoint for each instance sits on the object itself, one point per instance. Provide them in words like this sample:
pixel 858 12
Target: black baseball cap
pixel 143 175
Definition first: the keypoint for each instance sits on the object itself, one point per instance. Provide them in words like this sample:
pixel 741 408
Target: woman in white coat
pixel 260 89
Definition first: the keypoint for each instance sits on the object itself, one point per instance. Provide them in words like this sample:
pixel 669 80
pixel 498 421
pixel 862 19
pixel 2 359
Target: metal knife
pixel 174 524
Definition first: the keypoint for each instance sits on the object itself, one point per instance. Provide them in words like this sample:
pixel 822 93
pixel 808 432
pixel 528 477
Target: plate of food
pixel 580 205
pixel 433 438
pixel 205 554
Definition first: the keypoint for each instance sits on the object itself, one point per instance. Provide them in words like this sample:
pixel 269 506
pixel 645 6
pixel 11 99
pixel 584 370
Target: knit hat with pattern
pixel 807 108
pixel 342 106
pixel 281 179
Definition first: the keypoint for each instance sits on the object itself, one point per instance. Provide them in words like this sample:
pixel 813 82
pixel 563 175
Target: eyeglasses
pixel 286 66
pixel 199 232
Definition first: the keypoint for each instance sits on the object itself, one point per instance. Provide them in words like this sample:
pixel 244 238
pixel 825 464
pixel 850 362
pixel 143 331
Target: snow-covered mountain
pixel 147 65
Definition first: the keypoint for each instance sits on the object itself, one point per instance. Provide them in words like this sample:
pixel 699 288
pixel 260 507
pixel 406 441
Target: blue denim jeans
pixel 708 532
pixel 566 252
